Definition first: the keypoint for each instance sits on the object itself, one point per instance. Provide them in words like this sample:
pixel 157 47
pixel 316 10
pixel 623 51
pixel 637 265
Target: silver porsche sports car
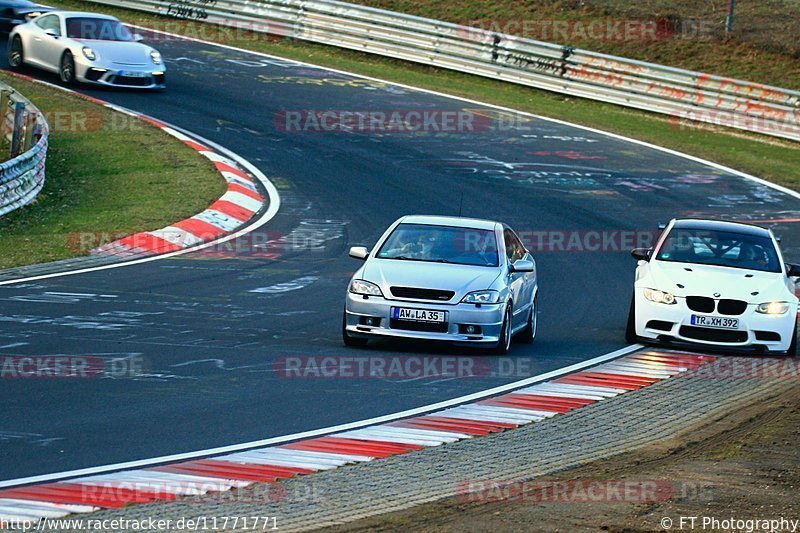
pixel 86 47
pixel 451 279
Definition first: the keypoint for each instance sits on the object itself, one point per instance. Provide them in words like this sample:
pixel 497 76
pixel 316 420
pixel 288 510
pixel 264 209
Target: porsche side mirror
pixel 359 252
pixel 641 254
pixel 137 37
pixel 52 33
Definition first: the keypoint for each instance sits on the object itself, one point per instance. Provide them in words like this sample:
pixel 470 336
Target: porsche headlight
pixel 156 57
pixel 659 297
pixel 772 308
pixel 360 286
pixel 481 297
pixel 88 53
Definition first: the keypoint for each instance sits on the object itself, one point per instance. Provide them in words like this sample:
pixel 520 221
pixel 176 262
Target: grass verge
pixel 107 175
pixel 763 156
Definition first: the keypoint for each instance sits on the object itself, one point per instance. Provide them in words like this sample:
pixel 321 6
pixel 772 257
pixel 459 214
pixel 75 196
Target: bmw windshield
pixel 441 244
pixel 720 248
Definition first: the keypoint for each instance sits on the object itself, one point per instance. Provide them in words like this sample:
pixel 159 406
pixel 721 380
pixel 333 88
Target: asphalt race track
pixel 209 350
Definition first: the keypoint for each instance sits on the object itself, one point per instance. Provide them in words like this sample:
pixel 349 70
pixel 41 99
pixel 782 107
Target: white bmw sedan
pixel 452 279
pixel 86 47
pixel 714 283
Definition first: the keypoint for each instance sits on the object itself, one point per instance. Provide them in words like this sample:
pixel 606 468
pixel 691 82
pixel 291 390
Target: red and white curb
pixel 270 464
pixel 240 203
pixel 237 206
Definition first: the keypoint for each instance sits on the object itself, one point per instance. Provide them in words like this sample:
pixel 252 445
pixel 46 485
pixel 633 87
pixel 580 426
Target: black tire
pixel 15 54
pixel 504 344
pixel 793 346
pixel 527 335
pixel 66 69
pixel 630 329
pixel 353 342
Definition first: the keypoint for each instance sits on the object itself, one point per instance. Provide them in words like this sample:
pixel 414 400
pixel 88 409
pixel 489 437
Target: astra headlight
pixel 772 308
pixel 659 297
pixel 360 286
pixel 482 297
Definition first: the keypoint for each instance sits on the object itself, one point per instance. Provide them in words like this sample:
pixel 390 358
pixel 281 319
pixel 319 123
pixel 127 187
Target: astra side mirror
pixel 793 271
pixel 641 254
pixel 521 265
pixel 359 252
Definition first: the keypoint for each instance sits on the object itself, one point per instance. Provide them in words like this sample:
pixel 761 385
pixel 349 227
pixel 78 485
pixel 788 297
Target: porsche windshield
pixel 97 29
pixel 441 244
pixel 720 248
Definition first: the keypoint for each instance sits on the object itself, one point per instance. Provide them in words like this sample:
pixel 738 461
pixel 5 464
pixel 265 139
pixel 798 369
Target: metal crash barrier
pixel 23 138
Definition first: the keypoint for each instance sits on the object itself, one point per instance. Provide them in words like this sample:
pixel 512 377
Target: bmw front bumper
pixel 673 323
pixel 372 316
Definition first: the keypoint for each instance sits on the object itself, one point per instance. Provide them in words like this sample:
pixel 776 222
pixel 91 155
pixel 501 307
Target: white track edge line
pixel 696 159
pixel 322 431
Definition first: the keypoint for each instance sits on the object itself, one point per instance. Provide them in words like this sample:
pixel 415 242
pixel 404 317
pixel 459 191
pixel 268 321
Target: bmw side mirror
pixel 793 271
pixel 521 265
pixel 359 252
pixel 641 254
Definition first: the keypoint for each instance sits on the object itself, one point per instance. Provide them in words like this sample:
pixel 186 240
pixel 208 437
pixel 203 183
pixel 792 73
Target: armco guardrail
pixel 683 94
pixel 24 131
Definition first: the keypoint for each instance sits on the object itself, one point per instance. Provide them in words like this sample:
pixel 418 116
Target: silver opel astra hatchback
pixel 454 279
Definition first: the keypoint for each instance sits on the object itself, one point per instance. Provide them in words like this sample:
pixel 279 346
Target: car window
pixel 97 29
pixel 49 22
pixel 441 244
pixel 720 248
pixel 514 248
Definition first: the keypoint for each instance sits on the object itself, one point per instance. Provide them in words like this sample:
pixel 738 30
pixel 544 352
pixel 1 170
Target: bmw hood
pixel 684 279
pixel 461 279
pixel 120 53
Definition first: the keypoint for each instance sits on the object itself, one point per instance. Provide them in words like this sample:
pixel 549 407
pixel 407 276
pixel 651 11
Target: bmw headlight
pixel 359 286
pixel 659 297
pixel 88 53
pixel 481 297
pixel 772 308
pixel 156 57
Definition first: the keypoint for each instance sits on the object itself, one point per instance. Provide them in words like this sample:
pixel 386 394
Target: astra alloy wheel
pixel 504 344
pixel 527 335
